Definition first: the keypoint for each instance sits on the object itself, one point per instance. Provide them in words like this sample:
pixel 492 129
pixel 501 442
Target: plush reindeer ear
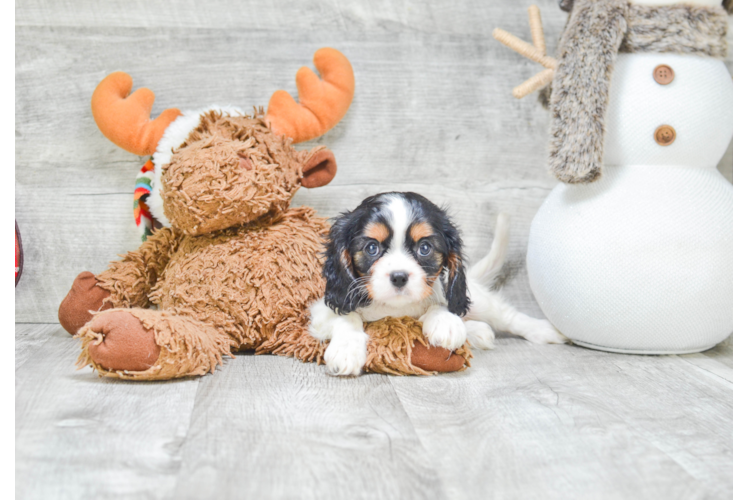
pixel 319 169
pixel 342 294
pixel 455 290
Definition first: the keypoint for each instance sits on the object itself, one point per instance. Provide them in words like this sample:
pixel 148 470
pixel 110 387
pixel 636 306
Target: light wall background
pixel 433 113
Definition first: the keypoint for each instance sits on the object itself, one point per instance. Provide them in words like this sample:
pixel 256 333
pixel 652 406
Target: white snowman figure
pixel 633 251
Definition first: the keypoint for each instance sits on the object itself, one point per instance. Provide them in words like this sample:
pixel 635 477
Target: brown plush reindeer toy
pixel 232 267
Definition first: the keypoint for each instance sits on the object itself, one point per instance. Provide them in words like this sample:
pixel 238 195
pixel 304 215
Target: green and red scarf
pixel 143 188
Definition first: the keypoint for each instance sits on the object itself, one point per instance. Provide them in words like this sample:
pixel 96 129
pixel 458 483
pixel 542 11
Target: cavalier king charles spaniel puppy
pixel 398 254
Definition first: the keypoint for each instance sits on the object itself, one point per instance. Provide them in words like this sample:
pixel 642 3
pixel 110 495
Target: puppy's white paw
pixel 346 354
pixel 444 329
pixel 480 334
pixel 541 331
pixel 321 322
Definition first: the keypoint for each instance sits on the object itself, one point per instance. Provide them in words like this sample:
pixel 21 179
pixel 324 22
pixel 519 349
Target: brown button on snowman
pixel 632 252
pixel 663 74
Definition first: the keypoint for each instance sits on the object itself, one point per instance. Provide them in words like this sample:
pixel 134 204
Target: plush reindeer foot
pixel 397 346
pixel 147 344
pixel 84 296
pixel 435 359
pixel 125 345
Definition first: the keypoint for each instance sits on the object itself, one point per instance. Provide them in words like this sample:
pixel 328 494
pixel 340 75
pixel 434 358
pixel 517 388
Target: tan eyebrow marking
pixel 420 230
pixel 378 231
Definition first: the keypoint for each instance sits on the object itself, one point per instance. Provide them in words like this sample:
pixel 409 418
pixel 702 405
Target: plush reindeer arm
pixel 126 282
pixel 131 279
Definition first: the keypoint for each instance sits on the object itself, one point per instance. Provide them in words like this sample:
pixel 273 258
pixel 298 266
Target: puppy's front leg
pixel 442 328
pixel 346 353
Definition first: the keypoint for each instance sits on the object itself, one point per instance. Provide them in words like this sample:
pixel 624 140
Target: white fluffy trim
pixel 174 135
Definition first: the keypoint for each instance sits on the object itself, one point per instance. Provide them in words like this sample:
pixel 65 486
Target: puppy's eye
pixel 424 249
pixel 372 249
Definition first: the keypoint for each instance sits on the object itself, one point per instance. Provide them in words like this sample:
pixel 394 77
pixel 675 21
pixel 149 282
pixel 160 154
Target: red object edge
pixel 19 255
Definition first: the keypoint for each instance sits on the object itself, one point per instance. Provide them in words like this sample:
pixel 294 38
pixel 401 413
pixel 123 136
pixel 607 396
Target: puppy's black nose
pixel 399 278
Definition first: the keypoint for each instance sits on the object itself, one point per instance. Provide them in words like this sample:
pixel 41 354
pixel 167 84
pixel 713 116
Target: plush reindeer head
pixel 218 167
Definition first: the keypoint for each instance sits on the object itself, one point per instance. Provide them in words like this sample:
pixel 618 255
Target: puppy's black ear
pixel 341 293
pixel 455 291
pixel 458 301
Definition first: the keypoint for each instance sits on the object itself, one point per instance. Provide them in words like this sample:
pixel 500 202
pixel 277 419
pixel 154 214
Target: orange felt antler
pixel 535 52
pixel 126 119
pixel 322 102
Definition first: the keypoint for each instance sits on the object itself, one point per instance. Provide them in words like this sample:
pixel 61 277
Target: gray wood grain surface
pixel 526 421
pixel 582 424
pixel 78 436
pixel 298 431
pixel 433 113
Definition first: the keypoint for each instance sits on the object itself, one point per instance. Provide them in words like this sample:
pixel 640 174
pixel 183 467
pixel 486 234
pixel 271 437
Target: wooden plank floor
pixel 526 421
pixel 434 114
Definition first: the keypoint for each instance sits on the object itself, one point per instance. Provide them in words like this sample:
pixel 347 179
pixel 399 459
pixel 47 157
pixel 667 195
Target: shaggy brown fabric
pixel 84 296
pixel 237 271
pixel 230 171
pixel 396 346
pixel 391 342
pixel 130 280
pixel 251 282
pixel 188 347
pixel 595 32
